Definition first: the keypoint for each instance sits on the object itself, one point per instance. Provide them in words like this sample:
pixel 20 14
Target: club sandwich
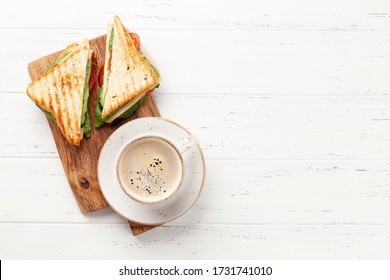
pixel 127 78
pixel 62 92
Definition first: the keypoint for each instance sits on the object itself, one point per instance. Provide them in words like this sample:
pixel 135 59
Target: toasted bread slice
pixel 130 74
pixel 71 47
pixel 60 91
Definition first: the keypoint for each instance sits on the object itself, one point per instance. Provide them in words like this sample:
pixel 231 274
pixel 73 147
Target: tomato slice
pixel 149 91
pixel 100 76
pixel 109 62
pixel 93 58
pixel 137 42
pixel 92 81
pixel 92 77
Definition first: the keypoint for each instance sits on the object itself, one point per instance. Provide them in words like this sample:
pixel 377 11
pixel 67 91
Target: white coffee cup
pixel 150 169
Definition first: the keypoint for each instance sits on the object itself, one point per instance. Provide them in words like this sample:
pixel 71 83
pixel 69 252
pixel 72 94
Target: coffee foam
pixel 150 170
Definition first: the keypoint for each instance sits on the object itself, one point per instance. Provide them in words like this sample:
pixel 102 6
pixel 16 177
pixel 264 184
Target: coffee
pixel 150 169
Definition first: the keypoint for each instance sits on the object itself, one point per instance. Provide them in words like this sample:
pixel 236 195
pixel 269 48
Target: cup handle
pixel 188 144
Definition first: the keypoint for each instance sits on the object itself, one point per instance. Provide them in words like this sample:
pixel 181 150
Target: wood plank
pixel 45 241
pixel 334 15
pixel 80 162
pixel 240 127
pixel 279 63
pixel 278 191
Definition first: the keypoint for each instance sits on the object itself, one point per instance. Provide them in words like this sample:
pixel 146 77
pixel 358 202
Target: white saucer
pixel 150 214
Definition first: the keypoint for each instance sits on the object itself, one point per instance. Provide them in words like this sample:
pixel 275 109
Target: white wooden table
pixel 290 102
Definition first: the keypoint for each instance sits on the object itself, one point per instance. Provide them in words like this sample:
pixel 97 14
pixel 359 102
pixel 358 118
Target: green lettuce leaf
pixel 111 40
pixel 133 108
pixel 48 114
pixel 151 65
pixel 154 69
pixel 98 121
pixel 86 92
pixel 85 122
pixel 56 61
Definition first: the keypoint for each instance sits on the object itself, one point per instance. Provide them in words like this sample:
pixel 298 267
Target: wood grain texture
pixel 236 62
pixel 261 15
pixel 80 163
pixel 309 192
pixel 230 241
pixel 241 127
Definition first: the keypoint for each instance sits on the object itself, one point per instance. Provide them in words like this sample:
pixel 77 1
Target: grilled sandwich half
pixel 63 91
pixel 128 76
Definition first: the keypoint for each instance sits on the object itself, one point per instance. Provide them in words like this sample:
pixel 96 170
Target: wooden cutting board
pixel 80 163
